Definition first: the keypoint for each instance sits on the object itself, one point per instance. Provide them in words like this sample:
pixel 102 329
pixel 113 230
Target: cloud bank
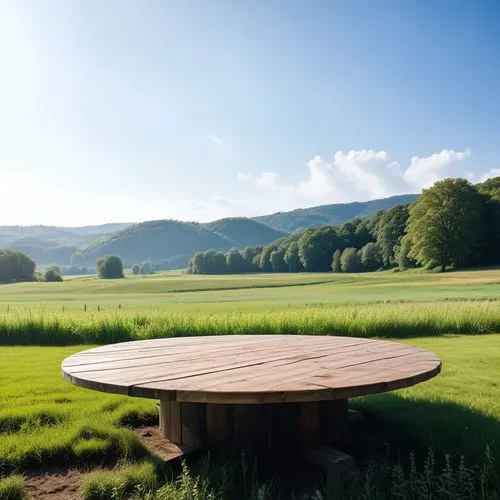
pixel 363 175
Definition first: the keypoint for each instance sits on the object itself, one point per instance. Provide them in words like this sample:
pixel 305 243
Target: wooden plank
pixel 250 426
pixel 165 418
pixel 333 421
pixel 251 369
pixel 219 423
pixel 175 431
pixel 193 424
pixel 309 424
pixel 332 460
pixel 283 427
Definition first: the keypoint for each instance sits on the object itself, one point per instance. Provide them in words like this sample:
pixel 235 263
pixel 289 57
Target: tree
pixel 371 258
pixel 490 247
pixel 347 232
pixel 146 268
pixel 235 262
pixel 292 259
pixel 316 248
pixel 265 258
pixel 198 263
pixel 52 275
pixel 373 224
pixel 215 262
pixel 277 261
pixel 404 262
pixel 336 266
pixel 249 254
pixel 363 236
pixel 391 229
pixel 109 267
pixel 446 224
pixel 15 267
pixel 135 269
pixel 349 260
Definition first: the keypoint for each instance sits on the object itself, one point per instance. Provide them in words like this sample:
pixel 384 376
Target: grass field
pixel 248 293
pixel 44 420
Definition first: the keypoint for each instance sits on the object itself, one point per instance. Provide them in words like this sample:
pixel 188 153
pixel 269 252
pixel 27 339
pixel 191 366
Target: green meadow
pixel 46 421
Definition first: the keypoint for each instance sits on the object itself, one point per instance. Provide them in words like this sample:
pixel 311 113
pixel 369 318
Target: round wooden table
pixel 269 392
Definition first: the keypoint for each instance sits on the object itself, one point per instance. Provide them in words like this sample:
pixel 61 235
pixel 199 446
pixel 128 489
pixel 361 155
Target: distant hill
pixel 52 244
pixel 73 236
pixel 156 240
pixel 244 232
pixel 109 228
pixel 337 213
pixel 175 241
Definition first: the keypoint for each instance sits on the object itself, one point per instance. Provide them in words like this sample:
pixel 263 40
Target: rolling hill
pixel 336 213
pixel 175 241
pixel 244 232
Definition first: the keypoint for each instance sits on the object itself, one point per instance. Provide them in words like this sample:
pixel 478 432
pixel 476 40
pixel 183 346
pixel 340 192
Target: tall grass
pixel 396 320
pixel 229 477
pixel 11 488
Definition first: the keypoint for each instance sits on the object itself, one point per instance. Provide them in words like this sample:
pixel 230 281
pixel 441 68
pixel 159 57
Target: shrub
pixel 52 275
pixel 109 267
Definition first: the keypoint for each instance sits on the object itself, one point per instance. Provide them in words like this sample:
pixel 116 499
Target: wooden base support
pixel 277 427
pixel 331 460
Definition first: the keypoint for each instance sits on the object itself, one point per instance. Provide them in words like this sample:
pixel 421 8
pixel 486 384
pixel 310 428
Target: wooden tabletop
pixel 251 368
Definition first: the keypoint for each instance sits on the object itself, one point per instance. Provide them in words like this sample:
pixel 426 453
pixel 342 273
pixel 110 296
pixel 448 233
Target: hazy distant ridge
pixel 176 241
pixel 336 213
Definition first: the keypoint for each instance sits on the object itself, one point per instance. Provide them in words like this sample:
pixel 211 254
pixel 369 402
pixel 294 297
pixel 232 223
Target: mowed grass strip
pixel 248 293
pixel 395 320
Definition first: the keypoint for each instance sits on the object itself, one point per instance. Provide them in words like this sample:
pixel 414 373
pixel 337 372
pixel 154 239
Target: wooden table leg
pixel 275 427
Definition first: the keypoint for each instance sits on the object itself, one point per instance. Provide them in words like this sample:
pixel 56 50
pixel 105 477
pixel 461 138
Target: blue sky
pixel 117 110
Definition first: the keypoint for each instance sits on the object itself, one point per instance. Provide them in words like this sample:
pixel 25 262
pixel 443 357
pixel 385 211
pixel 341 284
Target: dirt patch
pixel 63 483
pixel 54 483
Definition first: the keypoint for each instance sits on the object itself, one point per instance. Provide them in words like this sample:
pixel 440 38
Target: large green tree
pixel 490 247
pixel 371 258
pixel 391 229
pixel 15 266
pixel 277 261
pixel 350 260
pixel 235 262
pixel 292 259
pixel 265 258
pixel 446 224
pixel 316 248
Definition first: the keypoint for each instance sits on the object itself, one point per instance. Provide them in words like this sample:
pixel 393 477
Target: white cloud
pixel 216 140
pixel 426 171
pixel 494 172
pixel 362 175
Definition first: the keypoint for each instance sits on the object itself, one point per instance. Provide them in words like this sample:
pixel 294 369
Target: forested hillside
pixel 156 240
pixel 453 224
pixel 168 242
pixel 244 231
pixel 336 213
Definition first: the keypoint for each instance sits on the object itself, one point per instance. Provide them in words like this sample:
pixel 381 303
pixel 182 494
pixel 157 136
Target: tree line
pixel 452 224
